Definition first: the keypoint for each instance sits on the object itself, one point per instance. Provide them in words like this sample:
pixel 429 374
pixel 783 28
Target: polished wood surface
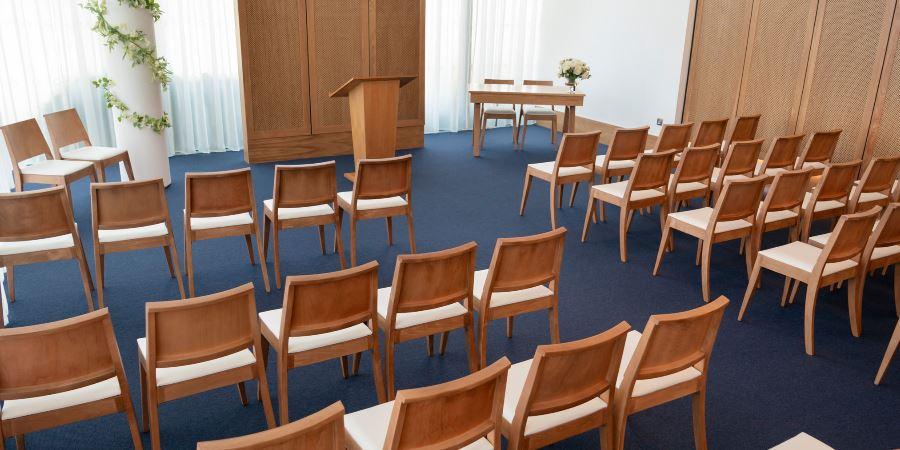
pixel 322 430
pixel 65 129
pixel 373 114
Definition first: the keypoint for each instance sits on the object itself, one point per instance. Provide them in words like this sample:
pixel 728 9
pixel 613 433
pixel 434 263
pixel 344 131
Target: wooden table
pixel 511 94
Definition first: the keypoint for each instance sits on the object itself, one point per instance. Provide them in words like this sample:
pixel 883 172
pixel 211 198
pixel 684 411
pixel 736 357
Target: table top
pixel 522 89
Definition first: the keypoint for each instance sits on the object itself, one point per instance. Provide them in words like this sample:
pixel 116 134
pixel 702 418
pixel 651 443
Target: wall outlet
pixel 659 121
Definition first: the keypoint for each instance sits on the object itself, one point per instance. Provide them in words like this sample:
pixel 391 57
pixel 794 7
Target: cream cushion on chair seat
pixel 36 405
pixel 272 321
pixel 775 216
pixel 614 164
pixel 372 203
pixel 650 385
pixel 822 205
pixel 715 176
pixel 54 167
pixel 618 190
pixel 688 186
pixel 515 382
pixel 772 171
pixel 37 245
pixel 303 211
pixel 127 234
pixel 815 165
pixel 92 153
pixel 208 223
pixel 368 428
pixel 820 240
pixel 547 167
pixel 868 196
pixel 803 256
pixel 507 298
pixel 802 441
pixel 700 218
pixel 171 375
pixel 883 252
pixel 500 110
pixel 539 111
pixel 411 319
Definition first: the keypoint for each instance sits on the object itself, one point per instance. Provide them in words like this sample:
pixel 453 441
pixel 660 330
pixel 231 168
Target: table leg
pixel 476 131
pixel 569 120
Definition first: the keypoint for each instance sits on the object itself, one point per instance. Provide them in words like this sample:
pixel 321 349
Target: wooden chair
pixel 566 390
pixel 324 316
pixel 197 345
pixel 693 176
pixel 741 128
pixel 217 205
pixel 668 361
pixel 463 413
pixel 781 156
pixel 131 215
pixel 620 157
pixel 830 196
pixel 322 430
pixel 739 164
pixel 647 186
pixel 498 112
pixel 673 136
pixel 710 132
pixel 523 277
pixel 574 165
pixel 781 208
pixel 25 141
pixel 66 128
pixel 801 262
pixel 420 304
pixel 874 187
pixel 383 189
pixel 889 352
pixel 818 151
pixel 303 196
pixel 537 113
pixel 733 217
pixel 883 249
pixel 62 372
pixel 37 226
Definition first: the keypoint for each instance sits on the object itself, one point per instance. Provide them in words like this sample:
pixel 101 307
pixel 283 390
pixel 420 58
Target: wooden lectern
pixel 373 115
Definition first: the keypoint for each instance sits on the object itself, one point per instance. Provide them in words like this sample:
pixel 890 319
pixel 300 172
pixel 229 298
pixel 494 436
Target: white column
pixel 142 93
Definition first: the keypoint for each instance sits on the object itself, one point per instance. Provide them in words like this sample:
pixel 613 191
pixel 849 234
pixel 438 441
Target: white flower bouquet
pixel 573 70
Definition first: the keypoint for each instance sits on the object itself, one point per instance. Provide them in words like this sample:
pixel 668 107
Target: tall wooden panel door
pixel 777 54
pixel 717 59
pixel 337 52
pixel 846 59
pixel 884 134
pixel 397 47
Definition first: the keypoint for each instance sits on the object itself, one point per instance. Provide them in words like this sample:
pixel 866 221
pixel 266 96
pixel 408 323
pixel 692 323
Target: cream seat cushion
pixel 372 203
pixel 507 298
pixel 208 223
pixel 866 197
pixel 547 167
pixel 92 153
pixel 650 385
pixel 297 213
pixel 614 164
pixel 700 218
pixel 127 234
pixel 37 245
pixel 771 171
pixel 822 205
pixel 715 176
pixel 775 216
pixel 515 382
pixel 802 441
pixel 815 165
pixel 688 186
pixel 803 256
pixel 171 375
pixel 539 111
pixel 883 252
pixel 500 110
pixel 36 405
pixel 272 321
pixel 368 428
pixel 54 167
pixel 411 319
pixel 617 190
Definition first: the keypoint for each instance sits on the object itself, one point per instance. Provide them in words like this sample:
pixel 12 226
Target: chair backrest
pixel 304 185
pixel 537 82
pixel 24 140
pixel 568 374
pixel 37 214
pixel 744 128
pixel 65 128
pixel 879 175
pixel 498 81
pixel 524 262
pixel 381 178
pixel 836 181
pixel 578 149
pixel 849 237
pixel 786 192
pixel 673 136
pixel 651 171
pixel 739 200
pixel 710 132
pixel 210 194
pixel 696 164
pixel 887 232
pixel 129 204
pixel 321 303
pixel 627 144
pixel 783 152
pixel 322 430
pixel 198 329
pixel 820 147
pixel 58 356
pixel 430 280
pixel 740 159
pixel 452 414
pixel 673 342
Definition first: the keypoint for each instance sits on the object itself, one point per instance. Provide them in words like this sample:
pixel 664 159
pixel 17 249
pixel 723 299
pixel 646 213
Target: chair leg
pixel 751 288
pixel 389 366
pixel 524 132
pixel 20 442
pixel 553 196
pixel 889 353
pixel 587 217
pixel 153 409
pixel 553 131
pixel 377 371
pixel 339 244
pixel 788 283
pixel 11 284
pixel 698 407
pixel 666 235
pixel 525 189
pixel 390 230
pixel 266 225
pixel 470 343
pixel 262 259
pixel 509 326
pixel 345 367
pixel 482 341
pixel 812 290
pixel 562 194
pixel 794 292
pixel 352 242
pixel 145 414
pixel 322 238
pixel 354 364
pixel 262 387
pixel 98 269
pixel 704 269
pixel 249 249
pixel 574 191
pixel 429 345
pixel 854 303
pixel 896 288
pixel 282 390
pixel 85 275
pixel 623 233
pixel 276 257
pixel 242 393
pixel 412 232
pixel 483 134
pixel 554 323
pixel 189 264
pixel 443 346
pixel 169 261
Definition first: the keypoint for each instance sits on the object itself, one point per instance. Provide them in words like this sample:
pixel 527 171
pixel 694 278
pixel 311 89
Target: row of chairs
pixel 38 225
pixel 71 370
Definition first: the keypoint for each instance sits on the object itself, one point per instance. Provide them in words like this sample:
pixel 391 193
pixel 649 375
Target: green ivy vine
pixel 137 120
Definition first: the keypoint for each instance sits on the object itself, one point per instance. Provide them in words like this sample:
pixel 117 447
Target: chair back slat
pixel 452 414
pixel 787 190
pixel 537 82
pixel 710 132
pixel 741 158
pixel 821 147
pixel 524 262
pixel 744 128
pixel 783 152
pixel 578 149
pixel 739 200
pixel 651 171
pixel 697 163
pixel 211 194
pixel 879 175
pixel 36 214
pixel 850 236
pixel 59 356
pixel 431 280
pixel 65 128
pixel 24 140
pixel 674 137
pixel 320 303
pixel 381 178
pixel 322 430
pixel 498 81
pixel 198 329
pixel 887 233
pixel 627 144
pixel 304 185
pixel 128 204
pixel 837 181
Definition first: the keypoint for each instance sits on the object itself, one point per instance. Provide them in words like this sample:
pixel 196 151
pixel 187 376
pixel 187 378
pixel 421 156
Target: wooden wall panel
pixel 884 133
pixel 397 47
pixel 777 54
pixel 717 58
pixel 847 54
pixel 338 32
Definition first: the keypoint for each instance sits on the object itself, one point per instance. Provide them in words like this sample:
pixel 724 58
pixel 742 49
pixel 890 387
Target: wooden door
pixel 397 47
pixel 884 132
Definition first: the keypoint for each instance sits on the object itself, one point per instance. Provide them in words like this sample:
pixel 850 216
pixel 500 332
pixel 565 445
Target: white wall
pixel 636 50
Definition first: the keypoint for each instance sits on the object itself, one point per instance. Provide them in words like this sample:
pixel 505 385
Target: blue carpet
pixel 763 388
